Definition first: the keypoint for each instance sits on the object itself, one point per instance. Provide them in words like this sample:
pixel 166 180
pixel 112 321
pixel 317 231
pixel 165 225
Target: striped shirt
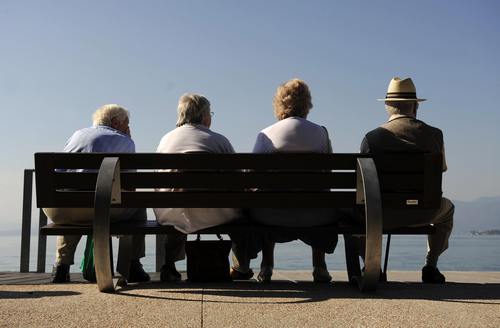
pixel 99 139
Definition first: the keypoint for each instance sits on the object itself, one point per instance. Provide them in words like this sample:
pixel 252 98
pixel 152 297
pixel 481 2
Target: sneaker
pixel 431 275
pixel 169 273
pixel 137 273
pixel 321 275
pixel 61 273
pixel 237 275
pixel 265 274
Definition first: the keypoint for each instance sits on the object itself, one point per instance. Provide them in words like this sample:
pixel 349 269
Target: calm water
pixel 466 253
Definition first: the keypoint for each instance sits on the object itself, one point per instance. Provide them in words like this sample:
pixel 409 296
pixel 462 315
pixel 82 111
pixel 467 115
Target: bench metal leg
pixel 386 260
pixel 108 191
pixel 26 225
pixel 42 244
pixel 160 251
pixel 368 193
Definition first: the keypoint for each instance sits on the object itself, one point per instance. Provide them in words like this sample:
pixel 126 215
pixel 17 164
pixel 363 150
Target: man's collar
pixel 396 116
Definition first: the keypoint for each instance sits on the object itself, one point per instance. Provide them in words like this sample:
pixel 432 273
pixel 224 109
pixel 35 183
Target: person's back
pixel 403 132
pixel 99 139
pixel 292 134
pixel 194 138
pixel 192 134
pixel 110 133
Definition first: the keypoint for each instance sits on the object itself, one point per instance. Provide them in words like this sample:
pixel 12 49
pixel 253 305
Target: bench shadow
pixel 284 292
pixel 7 294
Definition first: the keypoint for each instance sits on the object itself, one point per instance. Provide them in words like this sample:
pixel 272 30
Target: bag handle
pixel 198 238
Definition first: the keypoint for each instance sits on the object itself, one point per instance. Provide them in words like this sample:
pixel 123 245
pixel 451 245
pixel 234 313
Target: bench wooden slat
pixel 213 199
pixel 222 180
pixel 280 161
pixel 153 228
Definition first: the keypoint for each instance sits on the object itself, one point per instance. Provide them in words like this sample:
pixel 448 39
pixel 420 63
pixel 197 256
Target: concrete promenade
pixel 470 299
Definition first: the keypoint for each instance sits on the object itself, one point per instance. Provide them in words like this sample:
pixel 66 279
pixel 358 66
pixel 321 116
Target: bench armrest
pixel 368 193
pixel 107 192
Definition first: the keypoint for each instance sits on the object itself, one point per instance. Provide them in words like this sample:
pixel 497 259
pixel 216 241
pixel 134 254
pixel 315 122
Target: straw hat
pixel 401 90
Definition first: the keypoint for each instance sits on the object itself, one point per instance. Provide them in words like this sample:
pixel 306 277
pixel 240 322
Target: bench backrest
pixel 236 180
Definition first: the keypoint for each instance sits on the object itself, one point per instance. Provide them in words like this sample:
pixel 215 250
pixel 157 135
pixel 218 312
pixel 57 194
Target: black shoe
pixel 238 275
pixel 61 273
pixel 137 273
pixel 168 273
pixel 431 275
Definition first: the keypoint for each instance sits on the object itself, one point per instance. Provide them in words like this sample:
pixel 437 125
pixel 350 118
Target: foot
pixel 321 275
pixel 238 275
pixel 61 273
pixel 137 273
pixel 265 274
pixel 431 275
pixel 169 273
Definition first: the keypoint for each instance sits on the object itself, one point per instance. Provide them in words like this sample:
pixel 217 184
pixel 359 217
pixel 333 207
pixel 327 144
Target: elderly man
pixel 404 132
pixel 110 133
pixel 192 134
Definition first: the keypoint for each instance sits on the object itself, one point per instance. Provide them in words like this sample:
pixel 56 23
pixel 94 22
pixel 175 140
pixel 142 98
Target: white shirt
pixel 293 134
pixel 194 138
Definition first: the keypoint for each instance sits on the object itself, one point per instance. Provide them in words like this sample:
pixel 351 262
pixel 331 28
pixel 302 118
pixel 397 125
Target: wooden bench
pixel 237 180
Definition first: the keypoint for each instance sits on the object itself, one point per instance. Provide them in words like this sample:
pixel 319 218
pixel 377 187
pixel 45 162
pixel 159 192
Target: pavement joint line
pixel 202 301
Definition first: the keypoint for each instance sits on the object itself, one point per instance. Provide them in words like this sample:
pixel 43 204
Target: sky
pixel 61 60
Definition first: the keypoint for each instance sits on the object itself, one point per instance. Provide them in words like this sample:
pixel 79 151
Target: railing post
pixel 42 244
pixel 26 223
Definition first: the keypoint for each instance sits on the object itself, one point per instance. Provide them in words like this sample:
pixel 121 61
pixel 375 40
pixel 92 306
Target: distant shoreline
pixel 492 232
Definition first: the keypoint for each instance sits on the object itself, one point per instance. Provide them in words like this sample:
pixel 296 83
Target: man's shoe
pixel 265 274
pixel 61 273
pixel 321 275
pixel 137 273
pixel 431 275
pixel 237 275
pixel 169 273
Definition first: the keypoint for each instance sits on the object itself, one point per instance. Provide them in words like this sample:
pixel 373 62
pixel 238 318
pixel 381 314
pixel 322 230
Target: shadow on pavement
pixel 6 294
pixel 305 292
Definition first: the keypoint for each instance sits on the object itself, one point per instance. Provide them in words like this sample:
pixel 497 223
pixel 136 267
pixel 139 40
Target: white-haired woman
pixel 293 133
pixel 192 134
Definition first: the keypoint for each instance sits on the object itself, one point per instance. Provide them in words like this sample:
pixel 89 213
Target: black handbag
pixel 208 260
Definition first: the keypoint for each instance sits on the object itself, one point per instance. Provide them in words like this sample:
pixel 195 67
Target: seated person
pixel 404 132
pixel 110 133
pixel 192 134
pixel 292 133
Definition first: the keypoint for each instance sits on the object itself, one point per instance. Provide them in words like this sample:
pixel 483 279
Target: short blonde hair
pixel 292 98
pixel 105 114
pixel 191 109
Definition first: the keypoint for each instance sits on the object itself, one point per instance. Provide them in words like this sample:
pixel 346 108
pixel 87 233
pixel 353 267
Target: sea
pixel 407 253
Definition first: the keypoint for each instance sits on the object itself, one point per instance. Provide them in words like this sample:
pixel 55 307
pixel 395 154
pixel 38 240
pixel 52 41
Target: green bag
pixel 87 265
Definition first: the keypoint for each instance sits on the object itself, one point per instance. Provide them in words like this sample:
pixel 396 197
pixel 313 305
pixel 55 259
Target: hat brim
pixel 402 99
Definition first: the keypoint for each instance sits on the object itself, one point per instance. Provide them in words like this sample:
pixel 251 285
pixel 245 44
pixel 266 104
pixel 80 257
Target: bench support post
pixel 26 225
pixel 108 191
pixel 42 244
pixel 368 193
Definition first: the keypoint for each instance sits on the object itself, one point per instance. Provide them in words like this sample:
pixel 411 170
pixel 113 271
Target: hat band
pixel 408 95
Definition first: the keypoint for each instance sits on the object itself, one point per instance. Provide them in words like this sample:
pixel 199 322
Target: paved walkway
pixel 470 299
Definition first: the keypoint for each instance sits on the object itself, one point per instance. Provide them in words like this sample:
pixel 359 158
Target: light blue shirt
pixel 99 139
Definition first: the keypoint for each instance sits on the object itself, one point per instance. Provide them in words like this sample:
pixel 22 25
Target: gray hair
pixel 105 114
pixel 401 107
pixel 191 109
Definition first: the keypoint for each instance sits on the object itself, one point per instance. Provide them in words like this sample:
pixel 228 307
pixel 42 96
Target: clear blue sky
pixel 60 60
